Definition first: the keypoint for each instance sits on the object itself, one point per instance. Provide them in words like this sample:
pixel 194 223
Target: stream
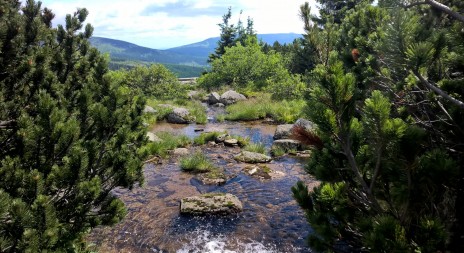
pixel 271 220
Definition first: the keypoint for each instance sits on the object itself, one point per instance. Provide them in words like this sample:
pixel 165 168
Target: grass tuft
pixel 197 163
pixel 256 147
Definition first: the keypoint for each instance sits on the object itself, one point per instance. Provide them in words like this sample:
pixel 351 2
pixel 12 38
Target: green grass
pixel 279 151
pixel 204 138
pixel 197 163
pixel 263 106
pixel 168 142
pixel 256 147
pixel 242 141
pixel 195 108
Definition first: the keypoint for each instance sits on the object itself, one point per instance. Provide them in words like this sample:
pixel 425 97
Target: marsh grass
pixel 204 138
pixel 256 147
pixel 195 108
pixel 262 107
pixel 197 163
pixel 278 151
pixel 168 142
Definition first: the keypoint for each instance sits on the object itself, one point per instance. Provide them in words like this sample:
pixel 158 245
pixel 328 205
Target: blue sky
pixel 169 23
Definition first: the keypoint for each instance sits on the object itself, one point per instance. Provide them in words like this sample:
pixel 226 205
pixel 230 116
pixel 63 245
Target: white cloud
pixel 126 20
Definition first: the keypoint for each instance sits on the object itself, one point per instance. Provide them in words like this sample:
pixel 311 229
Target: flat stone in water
pixel 211 203
pixel 252 157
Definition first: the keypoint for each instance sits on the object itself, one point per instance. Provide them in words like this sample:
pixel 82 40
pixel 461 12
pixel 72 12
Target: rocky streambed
pixel 264 216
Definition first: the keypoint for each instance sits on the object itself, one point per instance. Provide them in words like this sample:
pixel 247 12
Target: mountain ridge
pixel 193 56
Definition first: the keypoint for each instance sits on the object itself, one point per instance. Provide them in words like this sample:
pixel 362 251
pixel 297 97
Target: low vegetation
pixel 167 142
pixel 256 147
pixel 196 163
pixel 164 107
pixel 263 107
pixel 204 138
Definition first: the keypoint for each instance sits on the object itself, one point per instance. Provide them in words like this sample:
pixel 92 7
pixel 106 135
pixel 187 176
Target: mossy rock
pixel 211 203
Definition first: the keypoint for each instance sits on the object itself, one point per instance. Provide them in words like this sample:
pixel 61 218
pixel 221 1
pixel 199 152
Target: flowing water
pixel 271 220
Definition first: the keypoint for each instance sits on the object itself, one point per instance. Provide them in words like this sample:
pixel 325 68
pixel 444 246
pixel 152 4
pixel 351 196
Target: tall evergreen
pixel 386 97
pixel 232 34
pixel 67 135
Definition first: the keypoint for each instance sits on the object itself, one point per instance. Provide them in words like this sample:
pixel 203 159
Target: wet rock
pixel 283 131
pixel 252 157
pixel 231 97
pixel 262 172
pixel 304 153
pixel 152 137
pixel 221 138
pixel 219 105
pixel 198 129
pixel 286 145
pixel 213 98
pixel 231 142
pixel 211 203
pixel 149 109
pixel 180 152
pixel 193 94
pixel 180 116
pixel 215 177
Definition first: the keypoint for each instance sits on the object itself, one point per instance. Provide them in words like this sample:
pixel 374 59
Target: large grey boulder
pixel 149 109
pixel 152 137
pixel 180 152
pixel 286 145
pixel 213 98
pixel 193 94
pixel 231 97
pixel 252 157
pixel 306 124
pixel 211 203
pixel 283 131
pixel 180 116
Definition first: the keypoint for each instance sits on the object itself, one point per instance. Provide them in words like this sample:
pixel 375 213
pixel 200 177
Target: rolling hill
pixel 185 60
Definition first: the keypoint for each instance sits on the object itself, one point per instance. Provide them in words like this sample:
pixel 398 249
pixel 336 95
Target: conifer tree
pixel 231 34
pixel 67 135
pixel 388 147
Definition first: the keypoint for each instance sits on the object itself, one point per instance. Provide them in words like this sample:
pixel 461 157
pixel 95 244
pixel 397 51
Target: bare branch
pixel 437 90
pixel 439 6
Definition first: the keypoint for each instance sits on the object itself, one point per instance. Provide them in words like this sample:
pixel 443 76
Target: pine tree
pixel 231 35
pixel 388 147
pixel 68 136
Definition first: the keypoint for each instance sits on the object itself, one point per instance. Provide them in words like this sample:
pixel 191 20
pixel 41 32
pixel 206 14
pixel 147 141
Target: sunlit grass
pixel 197 163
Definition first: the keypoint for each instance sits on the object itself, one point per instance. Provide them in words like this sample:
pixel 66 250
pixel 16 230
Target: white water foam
pixel 204 242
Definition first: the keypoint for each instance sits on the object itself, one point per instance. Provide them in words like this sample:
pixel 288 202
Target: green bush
pixel 155 81
pixel 247 68
pixel 197 163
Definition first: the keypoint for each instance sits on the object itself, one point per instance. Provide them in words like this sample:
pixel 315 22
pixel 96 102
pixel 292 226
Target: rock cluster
pixel 227 98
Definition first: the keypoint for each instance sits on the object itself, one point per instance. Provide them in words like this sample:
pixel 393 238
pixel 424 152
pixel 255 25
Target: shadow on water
pixel 270 222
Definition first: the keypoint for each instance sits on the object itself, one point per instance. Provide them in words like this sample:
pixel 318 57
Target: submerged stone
pixel 211 203
pixel 252 157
